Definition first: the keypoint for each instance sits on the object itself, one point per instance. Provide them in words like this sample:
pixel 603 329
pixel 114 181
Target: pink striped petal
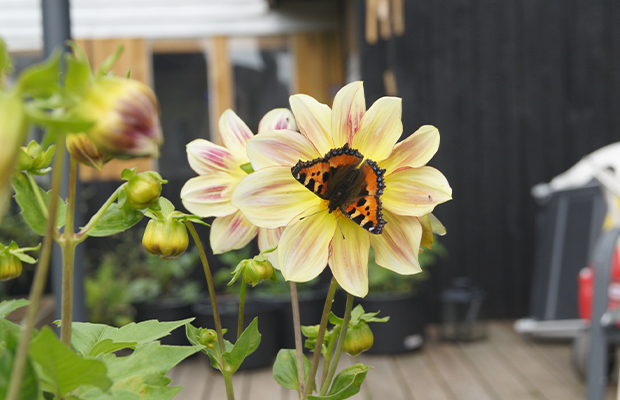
pixel 209 195
pixel 415 191
pixel 398 246
pixel 380 129
pixel 268 239
pixel 231 233
pixel 273 148
pixel 347 111
pixel 205 157
pixel 304 245
pixel 415 151
pixel 278 118
pixel 349 258
pixel 271 197
pixel 234 132
pixel 314 121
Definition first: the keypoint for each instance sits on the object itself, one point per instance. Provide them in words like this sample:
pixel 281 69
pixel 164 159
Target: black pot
pixel 311 304
pixel 268 326
pixel 166 310
pixel 403 332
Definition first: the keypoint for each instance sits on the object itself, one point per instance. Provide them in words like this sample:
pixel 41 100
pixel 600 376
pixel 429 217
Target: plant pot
pixel 268 326
pixel 403 332
pixel 311 304
pixel 166 310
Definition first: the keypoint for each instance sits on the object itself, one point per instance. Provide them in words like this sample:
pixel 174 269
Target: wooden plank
pixel 421 377
pixel 259 384
pixel 194 375
pixel 221 87
pixel 530 366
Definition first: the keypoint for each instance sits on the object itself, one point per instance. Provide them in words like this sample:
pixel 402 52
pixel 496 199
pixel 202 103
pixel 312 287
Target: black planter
pixel 166 310
pixel 311 304
pixel 268 326
pixel 403 332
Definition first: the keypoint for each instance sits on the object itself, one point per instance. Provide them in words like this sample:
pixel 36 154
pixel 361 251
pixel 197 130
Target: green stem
pixel 37 195
pixel 321 335
pixel 241 309
pixel 83 233
pixel 297 330
pixel 68 258
pixel 229 385
pixel 343 334
pixel 40 279
pixel 328 355
pixel 216 315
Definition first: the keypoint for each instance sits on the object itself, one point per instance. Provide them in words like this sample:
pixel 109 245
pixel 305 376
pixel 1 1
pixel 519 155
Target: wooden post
pixel 220 79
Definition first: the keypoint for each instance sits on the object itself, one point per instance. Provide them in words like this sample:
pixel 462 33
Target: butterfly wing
pixel 365 208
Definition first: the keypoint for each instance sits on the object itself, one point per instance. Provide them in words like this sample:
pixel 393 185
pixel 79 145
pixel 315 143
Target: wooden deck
pixel 506 366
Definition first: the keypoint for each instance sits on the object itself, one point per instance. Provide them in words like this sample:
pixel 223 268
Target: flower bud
pixel 256 271
pixel 143 189
pixel 85 152
pixel 10 266
pixel 125 112
pixel 207 337
pixel 166 239
pixel 359 338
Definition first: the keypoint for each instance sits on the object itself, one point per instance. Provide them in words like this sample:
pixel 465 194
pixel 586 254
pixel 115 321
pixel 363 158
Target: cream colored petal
pixel 209 195
pixel 278 118
pixel 205 157
pixel 268 239
pixel 380 129
pixel 273 148
pixel 347 111
pixel 271 197
pixel 349 257
pixel 304 245
pixel 398 246
pixel 415 191
pixel 314 120
pixel 234 132
pixel 415 151
pixel 231 233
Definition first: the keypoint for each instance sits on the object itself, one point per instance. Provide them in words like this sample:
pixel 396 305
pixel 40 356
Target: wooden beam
pixel 220 80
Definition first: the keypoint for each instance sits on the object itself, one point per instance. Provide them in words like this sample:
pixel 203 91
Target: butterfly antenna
pixel 306 216
pixel 338 223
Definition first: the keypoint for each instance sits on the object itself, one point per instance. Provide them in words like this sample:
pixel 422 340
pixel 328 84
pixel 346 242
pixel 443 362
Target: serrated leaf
pixel 31 210
pixel 116 219
pixel 246 344
pixel 64 369
pixel 85 336
pixel 30 387
pixel 78 76
pixel 8 306
pixel 346 384
pixel 109 62
pixel 285 369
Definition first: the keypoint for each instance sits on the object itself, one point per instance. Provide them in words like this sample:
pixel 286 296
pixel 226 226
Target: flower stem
pixel 241 309
pixel 68 258
pixel 216 315
pixel 38 284
pixel 321 335
pixel 37 195
pixel 343 334
pixel 83 233
pixel 297 330
pixel 328 356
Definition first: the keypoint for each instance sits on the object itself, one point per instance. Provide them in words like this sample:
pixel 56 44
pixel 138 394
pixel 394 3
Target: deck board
pixel 505 366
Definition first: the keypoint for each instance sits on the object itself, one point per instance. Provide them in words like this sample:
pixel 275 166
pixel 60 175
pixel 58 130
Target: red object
pixel 586 288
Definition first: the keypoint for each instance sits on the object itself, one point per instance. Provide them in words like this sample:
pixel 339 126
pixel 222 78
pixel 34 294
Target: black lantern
pixel 461 311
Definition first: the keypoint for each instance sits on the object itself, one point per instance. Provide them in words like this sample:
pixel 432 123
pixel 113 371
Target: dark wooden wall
pixel 520 91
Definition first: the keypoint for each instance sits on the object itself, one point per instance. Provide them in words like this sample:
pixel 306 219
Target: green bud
pixel 359 338
pixel 255 271
pixel 143 189
pixel 33 159
pixel 10 266
pixel 207 337
pixel 166 239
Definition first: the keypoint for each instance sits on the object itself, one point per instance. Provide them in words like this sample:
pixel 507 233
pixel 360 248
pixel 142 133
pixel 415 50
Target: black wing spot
pixel 325 176
pixel 320 188
pixel 361 202
pixel 310 184
pixel 369 224
pixel 301 177
pixel 358 220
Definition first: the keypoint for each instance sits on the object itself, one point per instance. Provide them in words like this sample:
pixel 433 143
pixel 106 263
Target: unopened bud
pixel 84 151
pixel 166 239
pixel 10 266
pixel 143 189
pixel 359 338
pixel 256 271
pixel 207 337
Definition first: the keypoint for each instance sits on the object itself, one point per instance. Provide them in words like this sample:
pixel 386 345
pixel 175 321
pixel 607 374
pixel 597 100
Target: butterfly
pixel 354 191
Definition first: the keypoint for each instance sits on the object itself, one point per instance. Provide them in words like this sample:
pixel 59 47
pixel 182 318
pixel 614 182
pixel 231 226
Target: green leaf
pixel 86 336
pixel 106 346
pixel 135 388
pixel 78 76
pixel 346 384
pixel 246 344
pixel 109 62
pixel 64 369
pixel 30 387
pixel 59 123
pixel 8 306
pixel 4 57
pixel 41 79
pixel 116 219
pixel 285 369
pixel 31 209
